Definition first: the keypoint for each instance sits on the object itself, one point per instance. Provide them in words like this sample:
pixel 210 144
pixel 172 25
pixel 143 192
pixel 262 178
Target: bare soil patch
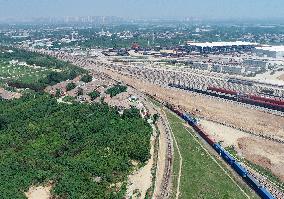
pixel 265 153
pixel 39 192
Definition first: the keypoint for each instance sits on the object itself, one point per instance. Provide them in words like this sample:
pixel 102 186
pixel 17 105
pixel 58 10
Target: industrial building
pixel 276 52
pixel 215 47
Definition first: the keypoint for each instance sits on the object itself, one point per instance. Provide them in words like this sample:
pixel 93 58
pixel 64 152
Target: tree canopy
pixel 71 145
pixel 116 89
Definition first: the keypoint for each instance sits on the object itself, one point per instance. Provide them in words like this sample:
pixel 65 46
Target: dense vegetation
pixel 116 89
pixel 86 78
pixel 85 150
pixel 70 86
pixel 58 70
pixel 94 94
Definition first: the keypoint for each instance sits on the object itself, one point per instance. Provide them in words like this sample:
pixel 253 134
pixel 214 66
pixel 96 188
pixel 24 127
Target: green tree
pixel 94 95
pixel 70 86
pixel 58 92
pixel 115 90
pixel 86 78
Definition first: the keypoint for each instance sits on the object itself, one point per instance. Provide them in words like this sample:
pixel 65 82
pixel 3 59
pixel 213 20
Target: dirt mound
pixel 261 160
pixel 265 153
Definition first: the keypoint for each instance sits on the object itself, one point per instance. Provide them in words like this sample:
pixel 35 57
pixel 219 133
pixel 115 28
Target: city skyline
pixel 203 9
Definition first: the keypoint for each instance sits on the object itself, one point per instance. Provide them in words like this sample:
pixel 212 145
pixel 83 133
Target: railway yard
pixel 255 132
pixel 142 100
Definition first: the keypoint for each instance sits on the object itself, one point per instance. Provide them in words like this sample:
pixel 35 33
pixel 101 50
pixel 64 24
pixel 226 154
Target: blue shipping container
pixel 229 159
pixel 218 148
pixel 239 169
pixel 253 182
pixel 265 194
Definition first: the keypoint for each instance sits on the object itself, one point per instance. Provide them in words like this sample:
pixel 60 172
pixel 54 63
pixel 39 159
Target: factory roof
pixel 220 44
pixel 272 48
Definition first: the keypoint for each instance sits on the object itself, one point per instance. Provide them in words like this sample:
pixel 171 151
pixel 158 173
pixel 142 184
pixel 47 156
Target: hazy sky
pixel 144 8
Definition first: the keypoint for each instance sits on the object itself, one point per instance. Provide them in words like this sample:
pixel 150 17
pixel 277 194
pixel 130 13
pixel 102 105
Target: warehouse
pixel 276 52
pixel 214 47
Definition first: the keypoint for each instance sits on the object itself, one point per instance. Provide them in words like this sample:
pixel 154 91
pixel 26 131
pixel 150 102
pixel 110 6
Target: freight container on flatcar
pixel 253 182
pixel 265 99
pixel 191 120
pixel 228 158
pixel 204 135
pixel 264 193
pixel 239 169
pixel 262 103
pixel 218 148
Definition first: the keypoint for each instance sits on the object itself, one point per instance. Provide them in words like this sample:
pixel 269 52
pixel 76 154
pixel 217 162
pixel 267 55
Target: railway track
pixel 263 180
pixel 165 187
pixel 227 99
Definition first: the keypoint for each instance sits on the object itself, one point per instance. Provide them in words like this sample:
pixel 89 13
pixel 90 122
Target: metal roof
pixel 221 44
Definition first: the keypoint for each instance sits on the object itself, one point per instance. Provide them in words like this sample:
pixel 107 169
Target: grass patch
pixel 176 163
pixel 39 71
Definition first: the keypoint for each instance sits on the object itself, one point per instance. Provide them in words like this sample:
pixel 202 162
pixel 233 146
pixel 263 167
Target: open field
pixel 25 74
pixel 202 177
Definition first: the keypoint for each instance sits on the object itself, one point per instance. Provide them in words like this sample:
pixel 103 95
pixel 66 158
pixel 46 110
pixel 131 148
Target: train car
pixel 204 135
pixel 267 92
pixel 191 120
pixel 224 154
pixel 227 157
pixel 264 193
pixel 266 99
pixel 262 103
pixel 239 169
pixel 178 112
pixel 218 148
pixel 221 90
pixel 240 81
pixel 252 182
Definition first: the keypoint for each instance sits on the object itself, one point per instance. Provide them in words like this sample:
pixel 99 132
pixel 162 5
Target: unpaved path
pixel 140 181
pixel 180 157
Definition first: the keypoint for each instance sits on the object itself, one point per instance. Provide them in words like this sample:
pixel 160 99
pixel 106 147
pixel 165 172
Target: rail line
pixel 180 157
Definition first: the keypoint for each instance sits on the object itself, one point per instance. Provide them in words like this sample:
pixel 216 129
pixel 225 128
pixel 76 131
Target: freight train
pixel 242 171
pixel 271 103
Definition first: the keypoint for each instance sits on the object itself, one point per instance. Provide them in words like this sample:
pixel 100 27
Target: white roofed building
pixel 270 51
pixel 211 47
